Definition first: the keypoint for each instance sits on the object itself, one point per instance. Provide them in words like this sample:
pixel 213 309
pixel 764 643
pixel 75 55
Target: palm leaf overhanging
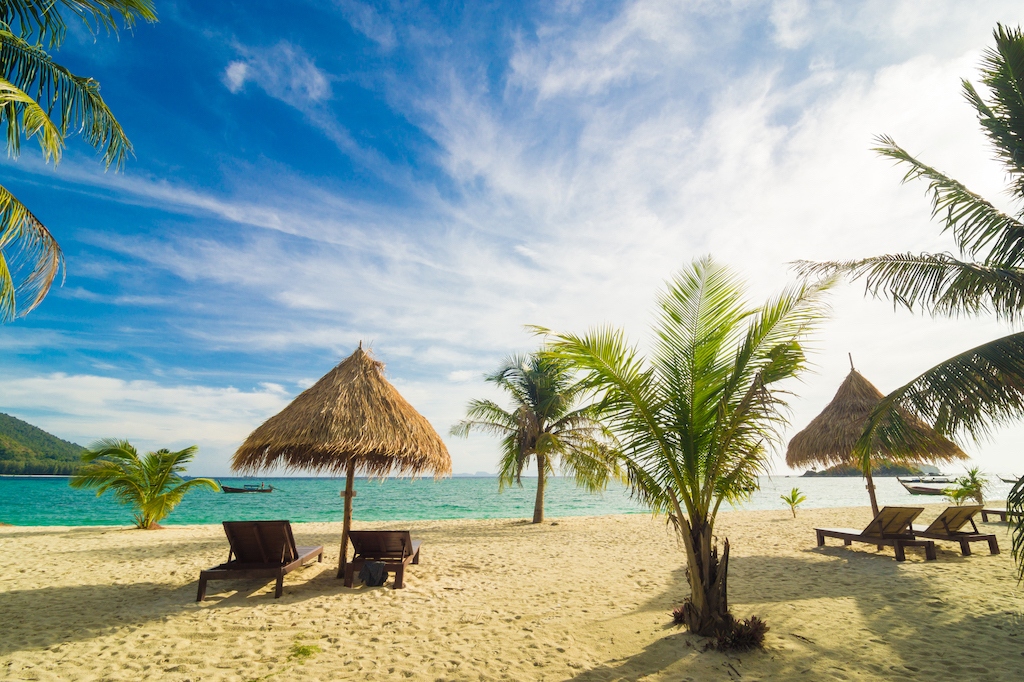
pixel 696 418
pixel 981 389
pixel 43 99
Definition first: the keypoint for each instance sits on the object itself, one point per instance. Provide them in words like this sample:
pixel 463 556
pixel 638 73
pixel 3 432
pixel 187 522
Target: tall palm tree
pixel 694 419
pixel 43 99
pixel 542 425
pixel 980 389
pixel 151 484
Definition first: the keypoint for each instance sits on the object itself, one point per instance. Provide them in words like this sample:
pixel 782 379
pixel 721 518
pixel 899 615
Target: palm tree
pixel 542 425
pixel 982 388
pixel 694 420
pixel 150 484
pixel 60 104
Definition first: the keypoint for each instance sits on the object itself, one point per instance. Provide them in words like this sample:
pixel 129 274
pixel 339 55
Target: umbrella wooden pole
pixel 347 526
pixel 871 491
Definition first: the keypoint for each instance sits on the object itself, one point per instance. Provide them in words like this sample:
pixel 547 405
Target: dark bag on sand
pixel 373 574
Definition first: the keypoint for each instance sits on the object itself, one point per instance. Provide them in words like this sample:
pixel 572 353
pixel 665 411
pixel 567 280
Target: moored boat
pixel 922 489
pixel 1004 479
pixel 247 488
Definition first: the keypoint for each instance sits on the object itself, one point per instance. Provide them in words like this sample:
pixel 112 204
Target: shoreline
pixel 586 599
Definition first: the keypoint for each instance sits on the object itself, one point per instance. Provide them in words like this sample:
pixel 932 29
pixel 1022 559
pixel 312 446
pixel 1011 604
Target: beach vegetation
pixel 970 486
pixel 302 652
pixel 42 99
pixel 545 424
pixel 980 389
pixel 696 417
pixel 152 485
pixel 794 499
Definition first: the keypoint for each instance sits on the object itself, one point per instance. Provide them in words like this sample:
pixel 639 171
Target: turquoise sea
pixel 49 501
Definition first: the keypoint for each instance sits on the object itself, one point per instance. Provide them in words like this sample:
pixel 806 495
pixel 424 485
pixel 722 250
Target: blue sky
pixel 428 178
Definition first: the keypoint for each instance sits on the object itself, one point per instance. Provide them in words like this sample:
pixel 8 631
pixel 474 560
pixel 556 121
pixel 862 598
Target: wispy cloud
pixel 283 71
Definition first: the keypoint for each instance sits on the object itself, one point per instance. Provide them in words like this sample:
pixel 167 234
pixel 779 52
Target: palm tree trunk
pixel 538 505
pixel 706 612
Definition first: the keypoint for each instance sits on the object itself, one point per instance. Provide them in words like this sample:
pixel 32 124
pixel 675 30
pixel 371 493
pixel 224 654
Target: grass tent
pixel 832 436
pixel 351 420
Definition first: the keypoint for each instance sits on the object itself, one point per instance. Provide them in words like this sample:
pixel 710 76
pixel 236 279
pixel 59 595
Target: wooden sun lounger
pixel 1001 514
pixel 890 528
pixel 948 527
pixel 395 548
pixel 261 549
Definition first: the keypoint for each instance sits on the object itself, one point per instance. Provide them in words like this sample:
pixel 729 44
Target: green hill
pixel 27 450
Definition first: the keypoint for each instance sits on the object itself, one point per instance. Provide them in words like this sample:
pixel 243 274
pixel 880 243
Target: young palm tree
pixel 150 484
pixel 695 418
pixel 41 98
pixel 542 425
pixel 982 388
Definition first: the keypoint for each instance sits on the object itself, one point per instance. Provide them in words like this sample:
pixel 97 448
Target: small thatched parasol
pixel 351 418
pixel 831 436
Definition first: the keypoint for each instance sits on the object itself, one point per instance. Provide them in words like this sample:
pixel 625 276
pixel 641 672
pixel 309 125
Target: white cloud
pixel 151 415
pixel 283 71
pixel 369 22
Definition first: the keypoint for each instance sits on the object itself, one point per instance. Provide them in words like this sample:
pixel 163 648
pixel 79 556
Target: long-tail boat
pixel 248 488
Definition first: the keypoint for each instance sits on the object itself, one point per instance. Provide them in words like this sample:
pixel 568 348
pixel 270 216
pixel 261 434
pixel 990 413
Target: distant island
pixel 887 469
pixel 27 450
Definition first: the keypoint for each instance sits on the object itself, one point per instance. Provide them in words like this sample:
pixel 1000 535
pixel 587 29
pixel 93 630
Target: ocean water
pixel 49 501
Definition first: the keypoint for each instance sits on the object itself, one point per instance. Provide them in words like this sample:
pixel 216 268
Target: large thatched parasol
pixel 352 418
pixel 831 436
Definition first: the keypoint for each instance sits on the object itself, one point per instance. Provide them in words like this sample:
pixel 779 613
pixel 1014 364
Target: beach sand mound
pixel 583 599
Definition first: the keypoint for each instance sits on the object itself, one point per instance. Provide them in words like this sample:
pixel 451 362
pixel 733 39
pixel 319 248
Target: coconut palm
pixel 982 388
pixel 542 425
pixel 150 484
pixel 694 419
pixel 43 99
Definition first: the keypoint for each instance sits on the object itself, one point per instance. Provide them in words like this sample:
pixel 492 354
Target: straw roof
pixel 351 413
pixel 830 438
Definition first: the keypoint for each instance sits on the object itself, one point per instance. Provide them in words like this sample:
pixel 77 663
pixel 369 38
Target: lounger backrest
pixel 261 542
pixel 953 519
pixel 381 544
pixel 893 520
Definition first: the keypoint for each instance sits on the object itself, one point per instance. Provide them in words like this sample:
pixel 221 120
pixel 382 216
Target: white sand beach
pixel 583 598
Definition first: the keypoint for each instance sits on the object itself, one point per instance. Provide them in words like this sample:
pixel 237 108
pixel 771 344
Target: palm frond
pixel 75 101
pixel 1015 507
pixel 975 223
pixel 35 248
pixel 43 19
pixel 33 120
pixel 939 283
pixel 969 394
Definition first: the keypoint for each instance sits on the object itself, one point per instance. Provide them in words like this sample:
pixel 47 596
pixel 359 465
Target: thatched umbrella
pixel 352 418
pixel 831 436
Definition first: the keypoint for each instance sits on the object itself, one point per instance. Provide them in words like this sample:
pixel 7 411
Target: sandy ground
pixel 582 599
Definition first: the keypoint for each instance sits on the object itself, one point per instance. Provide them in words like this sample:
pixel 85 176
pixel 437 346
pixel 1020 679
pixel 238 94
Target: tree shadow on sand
pixel 883 607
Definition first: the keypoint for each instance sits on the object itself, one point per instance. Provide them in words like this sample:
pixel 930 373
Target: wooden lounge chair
pixel 395 548
pixel 948 527
pixel 261 549
pixel 891 527
pixel 1001 514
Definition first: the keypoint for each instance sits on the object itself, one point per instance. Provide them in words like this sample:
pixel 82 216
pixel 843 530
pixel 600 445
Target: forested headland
pixel 27 450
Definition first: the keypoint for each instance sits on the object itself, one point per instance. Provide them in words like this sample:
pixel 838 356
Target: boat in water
pixel 247 488
pixel 937 478
pixel 921 489
pixel 1004 479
